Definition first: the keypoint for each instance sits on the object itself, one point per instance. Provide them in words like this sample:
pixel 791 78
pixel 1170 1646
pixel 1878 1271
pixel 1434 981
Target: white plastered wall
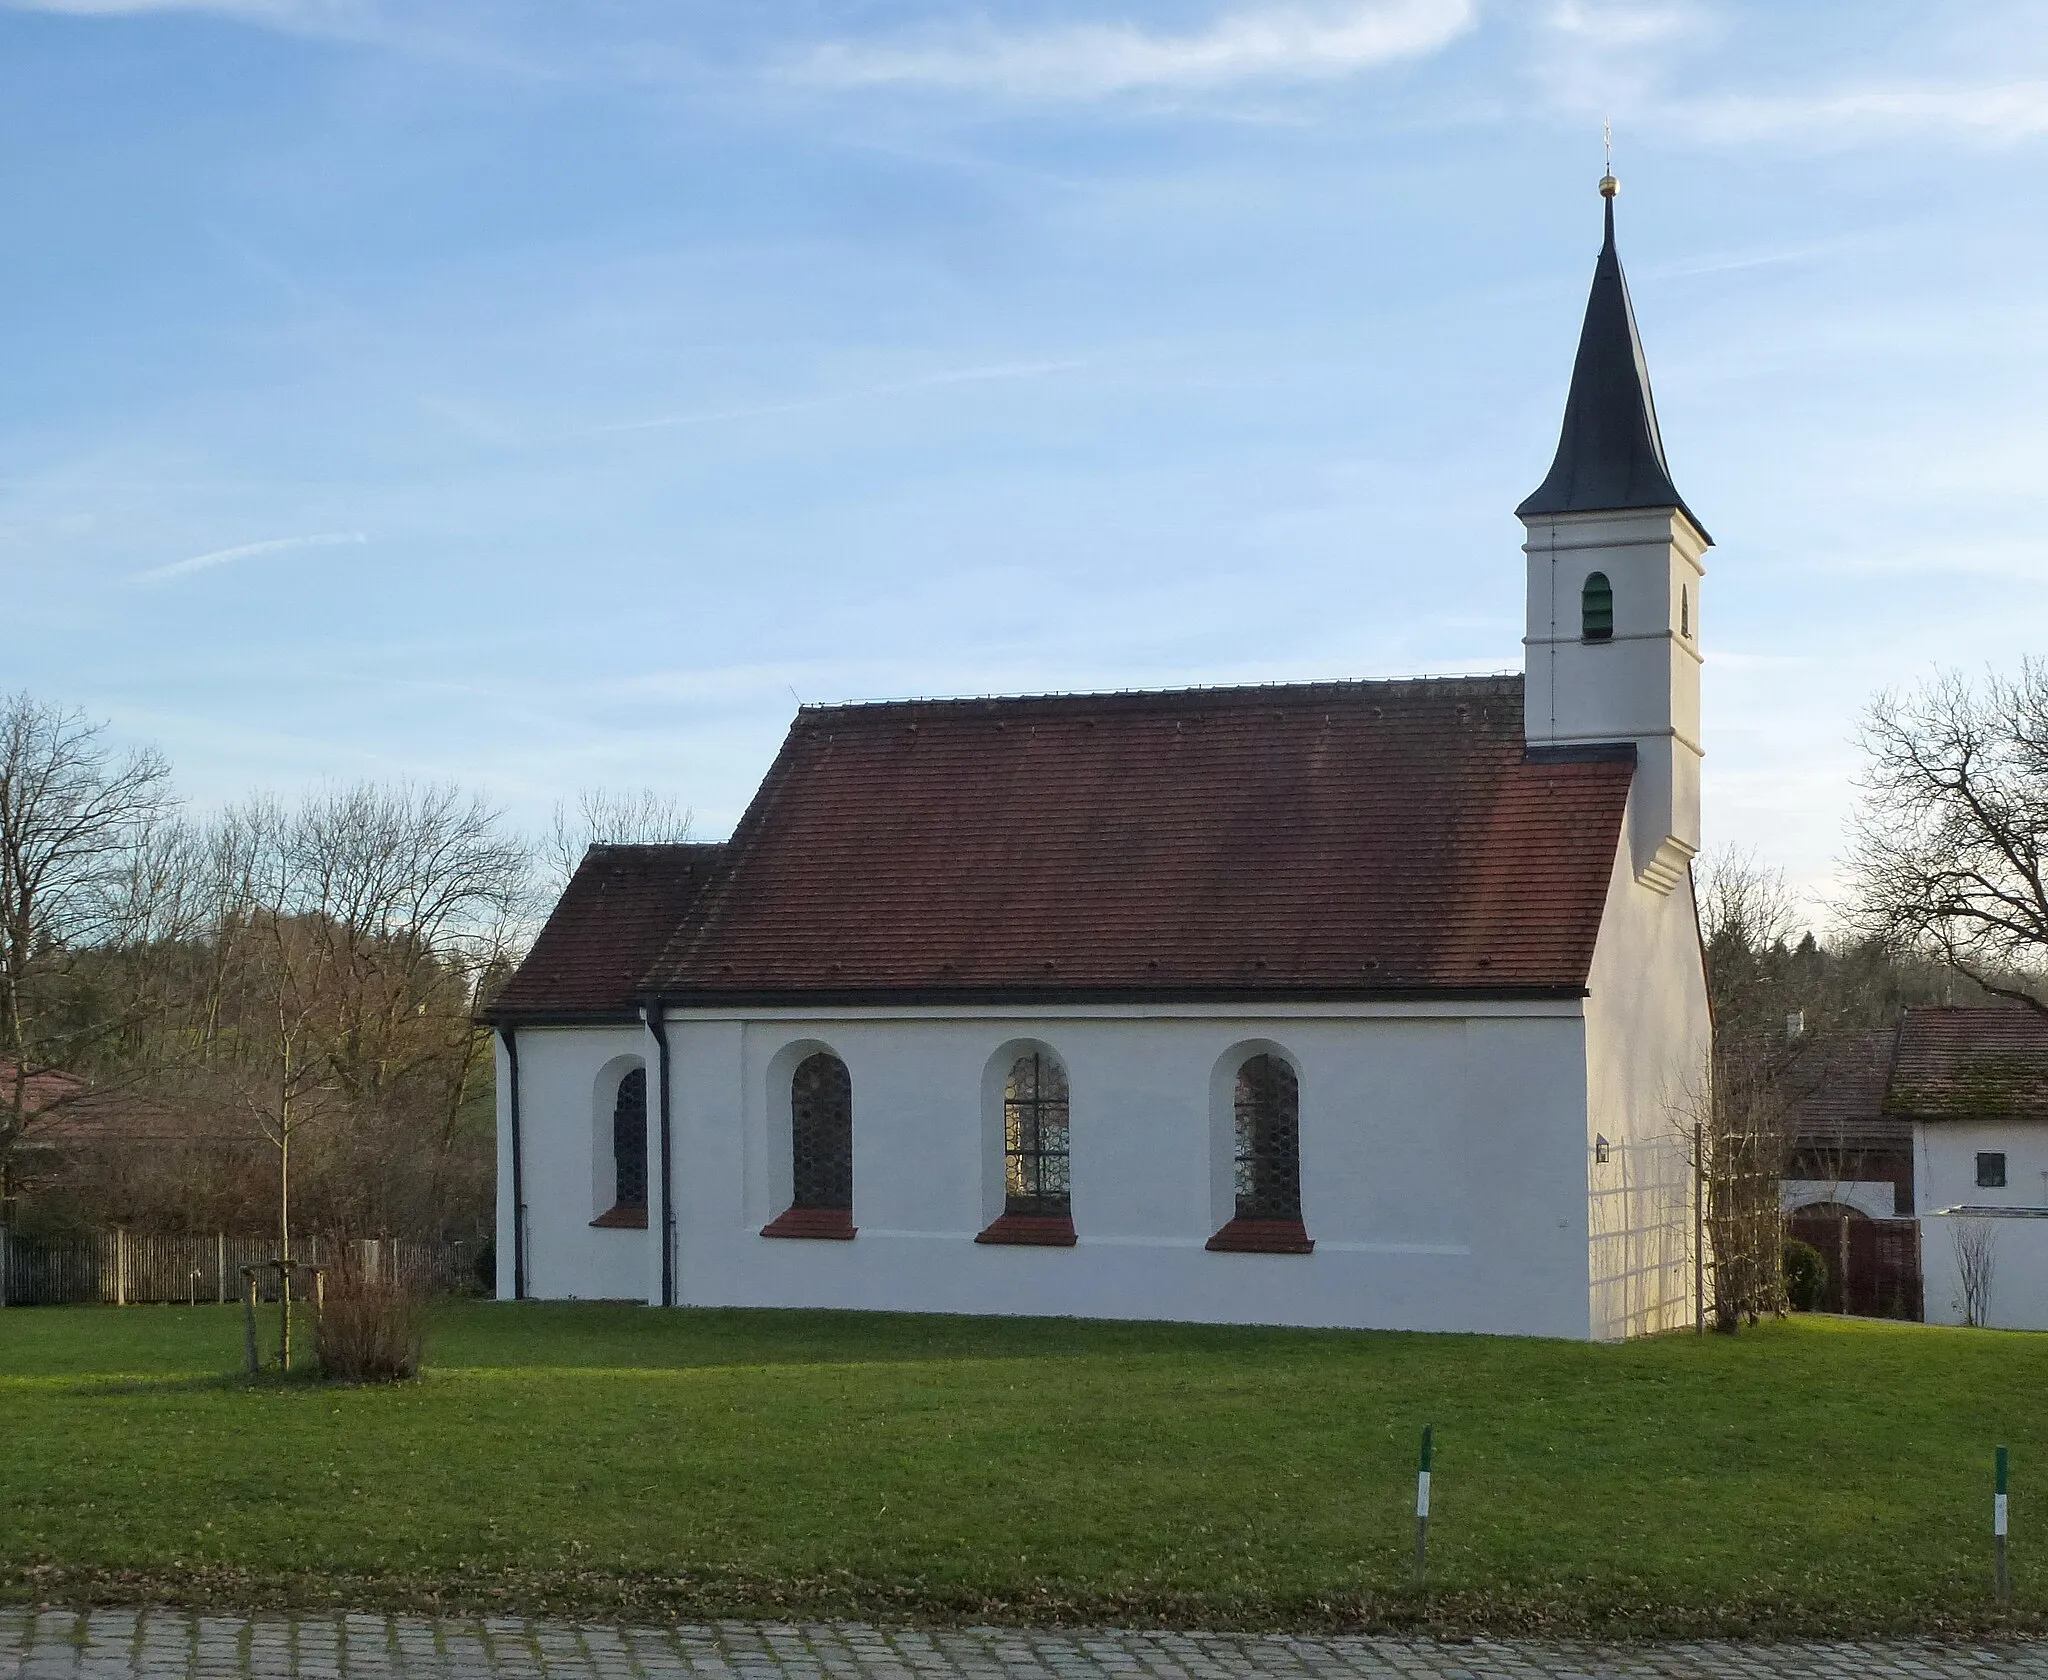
pixel 2017 1298
pixel 568 1079
pixel 1945 1163
pixel 1648 1037
pixel 1945 1167
pixel 1879 1198
pixel 1441 1175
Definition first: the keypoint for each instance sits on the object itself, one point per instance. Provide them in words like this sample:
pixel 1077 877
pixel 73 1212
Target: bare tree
pixel 1950 838
pixel 608 817
pixel 1974 1242
pixel 82 841
pixel 1737 1132
pixel 1743 900
pixel 349 937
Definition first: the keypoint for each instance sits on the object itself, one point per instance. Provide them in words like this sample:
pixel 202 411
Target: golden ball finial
pixel 1609 186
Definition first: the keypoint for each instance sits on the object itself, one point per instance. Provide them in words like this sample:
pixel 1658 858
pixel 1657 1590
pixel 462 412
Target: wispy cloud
pixel 1091 60
pixel 1997 111
pixel 1625 23
pixel 312 15
pixel 444 34
pixel 247 551
pixel 1612 57
pixel 801 405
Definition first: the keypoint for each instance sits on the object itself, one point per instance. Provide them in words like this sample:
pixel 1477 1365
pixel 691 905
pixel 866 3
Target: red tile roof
pixel 73 1112
pixel 617 912
pixel 1956 1064
pixel 1838 1087
pixel 1329 838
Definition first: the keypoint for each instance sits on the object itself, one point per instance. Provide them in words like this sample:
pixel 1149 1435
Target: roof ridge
pixel 1321 687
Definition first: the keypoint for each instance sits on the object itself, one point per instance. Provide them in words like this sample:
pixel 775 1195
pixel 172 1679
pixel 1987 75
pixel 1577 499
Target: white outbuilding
pixel 1373 1004
pixel 1973 1084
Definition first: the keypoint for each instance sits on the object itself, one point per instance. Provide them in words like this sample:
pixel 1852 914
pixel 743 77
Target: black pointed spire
pixel 1609 456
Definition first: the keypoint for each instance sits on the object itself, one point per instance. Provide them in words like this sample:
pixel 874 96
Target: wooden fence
pixel 126 1268
pixel 1873 1264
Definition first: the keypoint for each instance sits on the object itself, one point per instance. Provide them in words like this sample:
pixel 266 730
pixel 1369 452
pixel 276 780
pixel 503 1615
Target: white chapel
pixel 1372 1004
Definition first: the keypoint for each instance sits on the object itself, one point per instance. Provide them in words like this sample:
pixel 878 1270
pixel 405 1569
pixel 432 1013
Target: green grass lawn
pixel 1820 1475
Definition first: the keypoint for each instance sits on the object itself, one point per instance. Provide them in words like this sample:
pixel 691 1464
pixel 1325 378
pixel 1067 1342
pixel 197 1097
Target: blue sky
pixel 547 395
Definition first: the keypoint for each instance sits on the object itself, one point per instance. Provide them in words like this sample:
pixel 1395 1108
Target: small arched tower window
pixel 1685 611
pixel 1596 608
pixel 1037 1177
pixel 629 1144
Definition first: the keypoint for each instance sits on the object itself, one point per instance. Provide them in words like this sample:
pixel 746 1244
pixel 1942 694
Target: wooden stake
pixel 249 1319
pixel 284 1313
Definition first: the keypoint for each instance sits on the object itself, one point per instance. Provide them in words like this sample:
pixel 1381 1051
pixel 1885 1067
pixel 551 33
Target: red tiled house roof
pixel 1324 839
pixel 613 918
pixel 1838 1087
pixel 1970 1064
pixel 73 1112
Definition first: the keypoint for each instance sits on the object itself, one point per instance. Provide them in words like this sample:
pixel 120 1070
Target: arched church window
pixel 1268 1140
pixel 1685 611
pixel 1596 608
pixel 820 1151
pixel 629 1143
pixel 1036 1164
pixel 821 1133
pixel 1265 1160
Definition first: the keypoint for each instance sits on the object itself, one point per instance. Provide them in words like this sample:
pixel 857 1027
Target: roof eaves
pixel 850 997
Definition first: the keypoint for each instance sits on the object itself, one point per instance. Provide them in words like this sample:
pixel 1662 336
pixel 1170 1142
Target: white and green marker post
pixel 2004 1581
pixel 1422 1500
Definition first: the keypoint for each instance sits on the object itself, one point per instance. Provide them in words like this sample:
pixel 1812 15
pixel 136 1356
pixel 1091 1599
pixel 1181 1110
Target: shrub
pixel 1806 1276
pixel 369 1331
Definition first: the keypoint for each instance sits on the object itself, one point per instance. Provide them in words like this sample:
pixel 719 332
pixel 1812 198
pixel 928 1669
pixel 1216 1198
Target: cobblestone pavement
pixel 176 1645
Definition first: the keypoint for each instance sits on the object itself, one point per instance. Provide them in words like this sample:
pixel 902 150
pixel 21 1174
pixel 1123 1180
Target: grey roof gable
pixel 1610 456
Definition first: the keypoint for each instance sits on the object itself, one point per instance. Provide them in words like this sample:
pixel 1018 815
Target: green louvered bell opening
pixel 1596 606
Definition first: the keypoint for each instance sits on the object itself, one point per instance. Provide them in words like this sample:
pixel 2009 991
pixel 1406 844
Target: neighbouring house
pixel 1362 1003
pixel 1921 1142
pixel 1973 1084
pixel 1848 1189
pixel 1849 1156
pixel 112 1154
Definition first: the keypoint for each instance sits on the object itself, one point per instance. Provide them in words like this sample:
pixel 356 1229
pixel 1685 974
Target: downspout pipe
pixel 509 1036
pixel 658 1025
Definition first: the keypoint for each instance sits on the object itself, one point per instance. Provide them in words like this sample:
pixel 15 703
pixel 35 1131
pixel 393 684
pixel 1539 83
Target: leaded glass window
pixel 1268 1159
pixel 821 1132
pixel 629 1140
pixel 1035 1161
pixel 1596 604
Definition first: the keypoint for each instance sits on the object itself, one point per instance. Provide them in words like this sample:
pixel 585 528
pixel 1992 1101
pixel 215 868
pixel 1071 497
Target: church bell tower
pixel 1613 641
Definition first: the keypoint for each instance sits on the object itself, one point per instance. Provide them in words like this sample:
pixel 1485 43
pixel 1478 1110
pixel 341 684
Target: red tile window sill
pixel 826 1224
pixel 1031 1230
pixel 1262 1236
pixel 621 1219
